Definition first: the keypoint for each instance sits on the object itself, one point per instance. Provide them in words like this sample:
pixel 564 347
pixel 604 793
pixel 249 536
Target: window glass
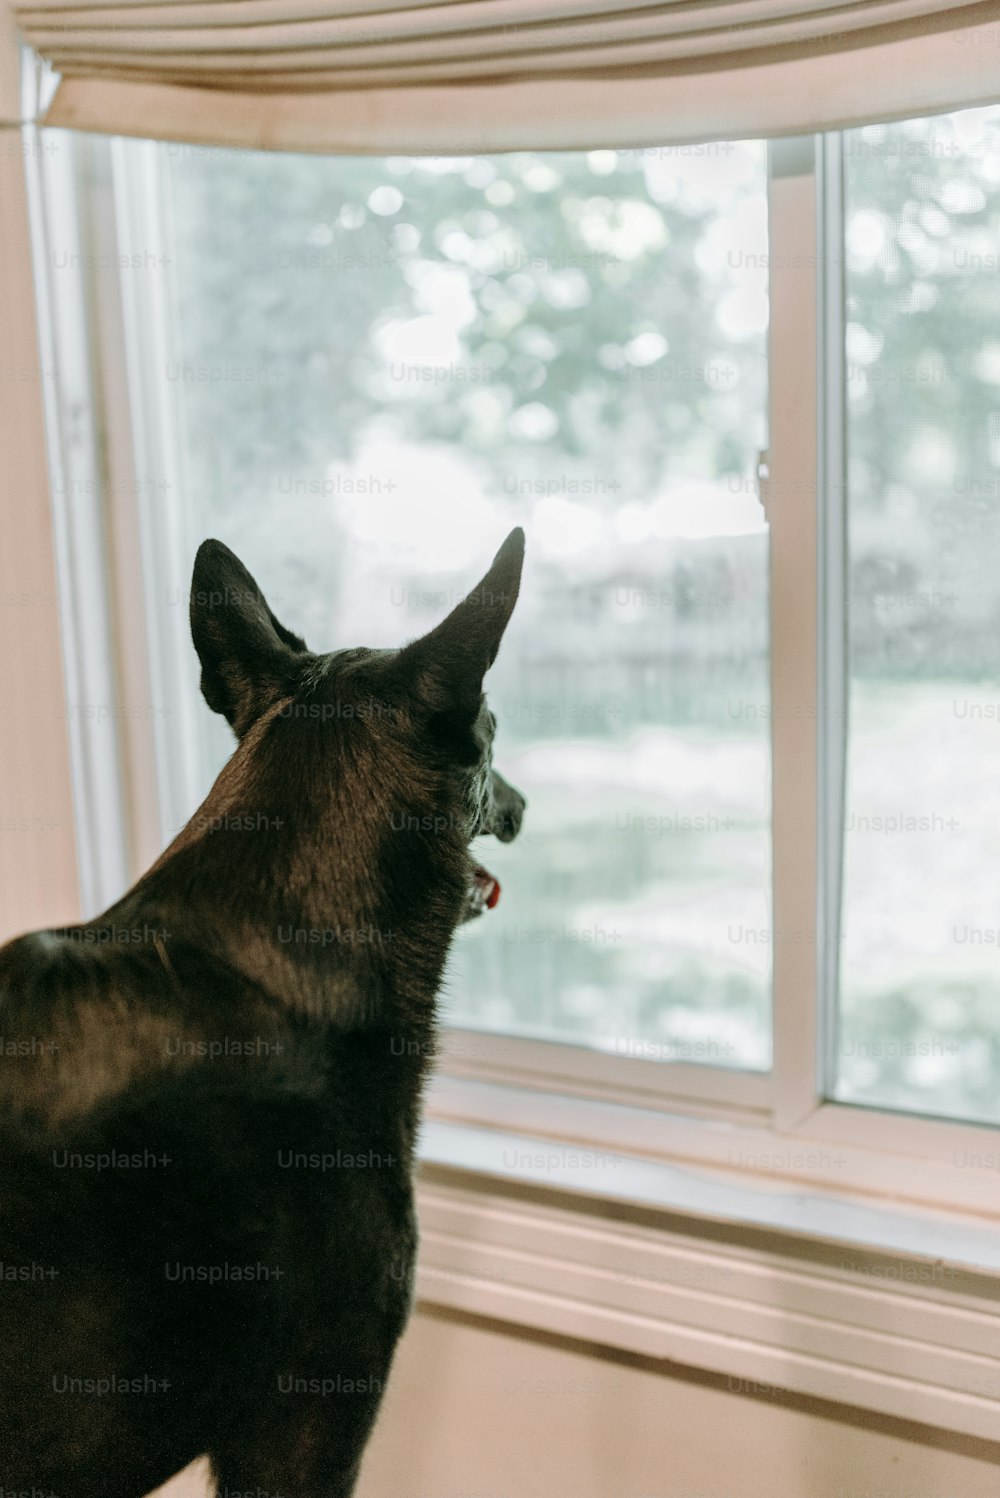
pixel 384 364
pixel 919 1019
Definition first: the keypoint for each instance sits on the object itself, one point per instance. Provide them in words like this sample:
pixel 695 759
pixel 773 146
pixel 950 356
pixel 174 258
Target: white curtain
pixel 478 75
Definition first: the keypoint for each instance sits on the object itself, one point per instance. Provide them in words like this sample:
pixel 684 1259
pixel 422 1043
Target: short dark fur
pixel 300 922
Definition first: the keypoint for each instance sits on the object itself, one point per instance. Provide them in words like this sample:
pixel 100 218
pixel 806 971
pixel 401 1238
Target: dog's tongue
pixel 487 886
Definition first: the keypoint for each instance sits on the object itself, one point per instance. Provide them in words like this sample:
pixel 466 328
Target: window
pixel 360 372
pixel 382 366
pixel 920 983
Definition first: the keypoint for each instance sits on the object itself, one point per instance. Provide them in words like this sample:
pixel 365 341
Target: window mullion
pixel 66 276
pixel 143 238
pixel 793 344
pixel 833 649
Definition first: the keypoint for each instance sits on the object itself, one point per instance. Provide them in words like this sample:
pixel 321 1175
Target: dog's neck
pixel 341 905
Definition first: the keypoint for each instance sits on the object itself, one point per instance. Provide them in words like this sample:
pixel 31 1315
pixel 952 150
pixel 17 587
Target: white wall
pixel 476 1412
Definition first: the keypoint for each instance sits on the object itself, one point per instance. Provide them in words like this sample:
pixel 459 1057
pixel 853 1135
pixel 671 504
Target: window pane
pixel 386 364
pixel 920 962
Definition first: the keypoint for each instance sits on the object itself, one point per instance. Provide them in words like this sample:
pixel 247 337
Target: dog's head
pixel 407 733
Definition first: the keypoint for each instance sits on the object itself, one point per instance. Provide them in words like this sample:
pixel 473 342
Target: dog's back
pixel 229 1202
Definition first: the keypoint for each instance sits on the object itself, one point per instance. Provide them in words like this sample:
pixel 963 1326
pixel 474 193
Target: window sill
pixel 829 1150
pixel 774 1286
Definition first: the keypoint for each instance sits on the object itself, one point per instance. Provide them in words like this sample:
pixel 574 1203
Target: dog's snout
pixel 509 807
pixel 510 823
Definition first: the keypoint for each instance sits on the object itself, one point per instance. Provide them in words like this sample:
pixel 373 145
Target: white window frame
pixel 775 1128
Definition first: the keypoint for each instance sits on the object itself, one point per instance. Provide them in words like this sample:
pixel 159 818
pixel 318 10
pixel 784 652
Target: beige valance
pixel 457 75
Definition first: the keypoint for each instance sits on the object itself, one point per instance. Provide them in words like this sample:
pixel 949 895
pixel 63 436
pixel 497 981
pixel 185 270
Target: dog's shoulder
pixel 36 971
pixel 71 1023
pixel 85 1016
pixel 30 958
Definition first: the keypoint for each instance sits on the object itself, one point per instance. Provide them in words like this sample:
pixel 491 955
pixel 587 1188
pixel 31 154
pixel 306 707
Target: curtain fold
pixel 378 75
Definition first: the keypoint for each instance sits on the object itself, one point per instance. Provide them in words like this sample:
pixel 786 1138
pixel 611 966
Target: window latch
pixel 763 476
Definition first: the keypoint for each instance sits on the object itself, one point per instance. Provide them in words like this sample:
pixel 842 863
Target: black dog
pixel 209 1095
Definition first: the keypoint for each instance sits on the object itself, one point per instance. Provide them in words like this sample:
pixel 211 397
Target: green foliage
pixel 555 266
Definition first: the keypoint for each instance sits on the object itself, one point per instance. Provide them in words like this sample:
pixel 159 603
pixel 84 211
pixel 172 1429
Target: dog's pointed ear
pixel 446 667
pixel 248 658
